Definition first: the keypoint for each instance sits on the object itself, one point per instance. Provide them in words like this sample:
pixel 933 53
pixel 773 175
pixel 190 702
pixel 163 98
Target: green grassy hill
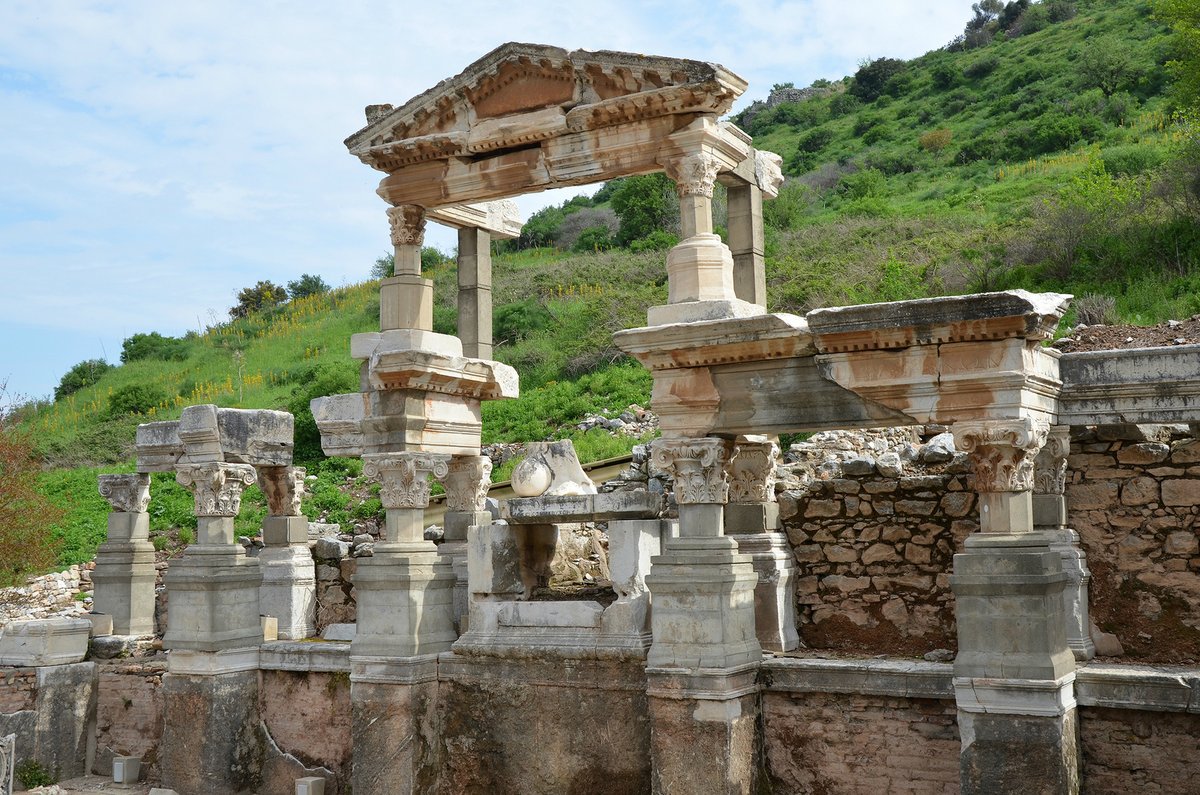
pixel 1045 156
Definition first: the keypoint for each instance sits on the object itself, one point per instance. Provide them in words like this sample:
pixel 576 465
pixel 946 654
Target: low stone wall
pixel 335 592
pixel 53 595
pixel 18 689
pixel 1126 750
pixel 307 715
pixel 129 714
pixel 1134 497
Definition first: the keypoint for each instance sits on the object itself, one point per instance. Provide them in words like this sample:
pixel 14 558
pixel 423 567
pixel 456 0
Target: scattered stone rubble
pixel 54 595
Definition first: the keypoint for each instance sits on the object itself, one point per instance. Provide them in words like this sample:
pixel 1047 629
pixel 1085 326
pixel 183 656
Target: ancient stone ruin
pixel 951 551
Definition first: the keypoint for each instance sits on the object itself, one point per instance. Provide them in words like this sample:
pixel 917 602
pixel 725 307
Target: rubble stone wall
pixel 307 714
pixel 1133 495
pixel 1128 750
pixel 335 592
pixel 18 689
pixel 129 713
pixel 823 742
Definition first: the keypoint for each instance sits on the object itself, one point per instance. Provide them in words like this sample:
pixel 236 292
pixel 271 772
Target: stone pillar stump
pixel 124 575
pixel 289 580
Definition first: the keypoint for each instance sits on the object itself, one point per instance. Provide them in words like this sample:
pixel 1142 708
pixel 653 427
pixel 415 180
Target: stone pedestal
pixel 289 580
pixel 746 242
pixel 467 481
pixel 214 586
pixel 211 743
pixel 124 575
pixel 394 726
pixel 475 292
pixel 405 592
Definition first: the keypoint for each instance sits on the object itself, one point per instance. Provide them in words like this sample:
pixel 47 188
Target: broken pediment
pixel 521 95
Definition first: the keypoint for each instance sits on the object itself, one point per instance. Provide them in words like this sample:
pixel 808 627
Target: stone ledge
pixel 558 509
pixel 902 678
pixel 304 656
pixel 1154 688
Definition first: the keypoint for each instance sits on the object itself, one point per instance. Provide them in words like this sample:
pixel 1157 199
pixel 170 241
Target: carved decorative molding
pixel 407 223
pixel 698 466
pixel 283 487
pixel 217 486
pixel 694 174
pixel 405 476
pixel 126 493
pixel 1002 452
pixel 466 482
pixel 768 172
pixel 752 472
pixel 1050 466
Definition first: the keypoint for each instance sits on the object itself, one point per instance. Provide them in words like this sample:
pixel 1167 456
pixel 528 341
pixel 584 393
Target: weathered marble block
pixel 47 641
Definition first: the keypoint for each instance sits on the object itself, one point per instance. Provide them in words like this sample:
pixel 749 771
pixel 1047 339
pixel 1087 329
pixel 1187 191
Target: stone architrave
pixel 406 589
pixel 466 481
pixel 752 519
pixel 289 582
pixel 214 586
pixel 1050 517
pixel 124 575
pixel 704 654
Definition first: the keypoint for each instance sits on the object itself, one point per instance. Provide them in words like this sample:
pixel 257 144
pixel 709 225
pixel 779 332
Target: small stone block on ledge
pixel 270 628
pixel 102 623
pixel 126 769
pixel 340 632
pixel 311 785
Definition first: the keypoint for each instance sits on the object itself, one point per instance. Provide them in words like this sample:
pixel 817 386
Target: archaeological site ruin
pixel 907 601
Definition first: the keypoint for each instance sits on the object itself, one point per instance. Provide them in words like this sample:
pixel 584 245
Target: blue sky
pixel 157 157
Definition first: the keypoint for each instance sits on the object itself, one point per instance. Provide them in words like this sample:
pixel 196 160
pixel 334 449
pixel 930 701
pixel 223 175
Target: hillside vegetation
pixel 1043 149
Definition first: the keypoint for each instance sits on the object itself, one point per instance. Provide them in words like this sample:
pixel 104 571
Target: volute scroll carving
pixel 126 493
pixel 1002 451
pixel 752 472
pixel 466 483
pixel 404 477
pixel 283 487
pixel 407 223
pixel 698 466
pixel 217 486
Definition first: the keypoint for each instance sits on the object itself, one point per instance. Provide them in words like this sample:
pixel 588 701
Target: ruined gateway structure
pixel 684 683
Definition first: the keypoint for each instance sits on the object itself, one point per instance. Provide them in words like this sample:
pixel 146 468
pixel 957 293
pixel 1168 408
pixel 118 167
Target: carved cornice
pixel 1050 466
pixel 283 487
pixel 698 466
pixel 694 174
pixel 405 476
pixel 752 472
pixel 1002 452
pixel 466 482
pixel 126 493
pixel 217 486
pixel 407 223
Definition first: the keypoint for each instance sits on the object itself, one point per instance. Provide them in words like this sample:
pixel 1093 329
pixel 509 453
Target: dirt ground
pixel 1107 338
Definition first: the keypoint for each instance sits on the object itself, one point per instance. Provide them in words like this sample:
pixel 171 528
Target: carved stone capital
pixel 768 173
pixel 126 493
pixel 1050 466
pixel 466 482
pixel 407 223
pixel 698 466
pixel 405 476
pixel 752 472
pixel 283 487
pixel 694 174
pixel 1002 451
pixel 217 486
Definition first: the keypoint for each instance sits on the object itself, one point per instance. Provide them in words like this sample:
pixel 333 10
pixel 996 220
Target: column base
pixel 124 586
pixel 1019 754
pixel 213 600
pixel 405 596
pixel 223 710
pixel 394 725
pixel 289 590
pixel 775 595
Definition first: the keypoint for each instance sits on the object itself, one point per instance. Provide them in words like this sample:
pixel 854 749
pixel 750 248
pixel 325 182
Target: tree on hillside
pixel 153 346
pixel 263 295
pixel 306 285
pixel 644 205
pixel 1184 18
pixel 81 375
pixel 384 267
pixel 872 76
pixel 27 545
pixel 1107 63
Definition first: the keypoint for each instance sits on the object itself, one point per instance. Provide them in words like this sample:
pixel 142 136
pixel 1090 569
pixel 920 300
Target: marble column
pixel 1050 518
pixel 289 581
pixel 467 480
pixel 124 575
pixel 1014 673
pixel 475 292
pixel 752 519
pixel 406 299
pixel 703 660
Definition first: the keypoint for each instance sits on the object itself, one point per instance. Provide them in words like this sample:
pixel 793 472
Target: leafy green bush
pixel 644 204
pixel 1132 160
pixel 153 346
pixel 514 322
pixel 308 284
pixel 135 399
pixel 981 67
pixel 264 294
pixel 81 375
pixel 594 238
pixel 658 240
pixel 314 382
pixel 871 78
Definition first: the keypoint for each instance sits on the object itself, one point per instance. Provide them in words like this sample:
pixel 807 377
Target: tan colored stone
pixel 1090 496
pixel 1139 491
pixel 880 553
pixel 1185 452
pixel 1144 453
pixel 837 554
pixel 1182 542
pixel 1181 492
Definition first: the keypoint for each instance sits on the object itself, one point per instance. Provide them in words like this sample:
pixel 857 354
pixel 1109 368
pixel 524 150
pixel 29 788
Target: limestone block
pixel 339 632
pixel 493 561
pixel 310 785
pixel 1181 492
pixel 631 545
pixel 214 599
pixel 558 509
pixel 47 641
pixel 238 436
pixel 366 344
pixel 280 531
pixel 158 446
pixel 126 769
pixel 405 597
pixel 340 419
pixel 288 590
pixel 124 580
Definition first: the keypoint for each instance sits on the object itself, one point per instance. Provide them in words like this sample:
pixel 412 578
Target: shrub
pixel 816 140
pixel 583 220
pixel 594 238
pixel 981 67
pixel 658 240
pixel 944 75
pixel 871 78
pixel 1132 160
pixel 31 774
pixel 315 382
pixel 81 375
pixel 263 295
pixel 514 322
pixel 645 204
pixel 843 104
pixel 1060 10
pixel 384 267
pixel 153 346
pixel 135 399
pixel 26 544
pixel 1107 63
pixel 306 285
pixel 863 184
pixel 1096 310
pixel 935 140
pixel 876 134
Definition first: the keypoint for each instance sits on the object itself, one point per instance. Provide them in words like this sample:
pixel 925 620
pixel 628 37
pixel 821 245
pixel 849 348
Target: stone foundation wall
pixel 1127 750
pixel 129 714
pixel 1133 495
pixel 307 714
pixel 18 689
pixel 335 592
pixel 837 743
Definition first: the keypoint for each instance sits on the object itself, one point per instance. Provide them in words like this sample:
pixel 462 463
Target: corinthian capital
pixel 698 466
pixel 407 223
pixel 466 482
pixel 217 486
pixel 405 476
pixel 283 487
pixel 694 174
pixel 126 493
pixel 752 472
pixel 1002 451
pixel 1050 466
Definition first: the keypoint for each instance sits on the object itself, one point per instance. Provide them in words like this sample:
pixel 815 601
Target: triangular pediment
pixel 520 94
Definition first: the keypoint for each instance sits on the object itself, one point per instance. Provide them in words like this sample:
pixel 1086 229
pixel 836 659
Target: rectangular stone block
pixel 558 509
pixel 279 531
pixel 126 769
pixel 493 561
pixel 158 446
pixel 631 545
pixel 128 526
pixel 47 641
pixel 310 785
